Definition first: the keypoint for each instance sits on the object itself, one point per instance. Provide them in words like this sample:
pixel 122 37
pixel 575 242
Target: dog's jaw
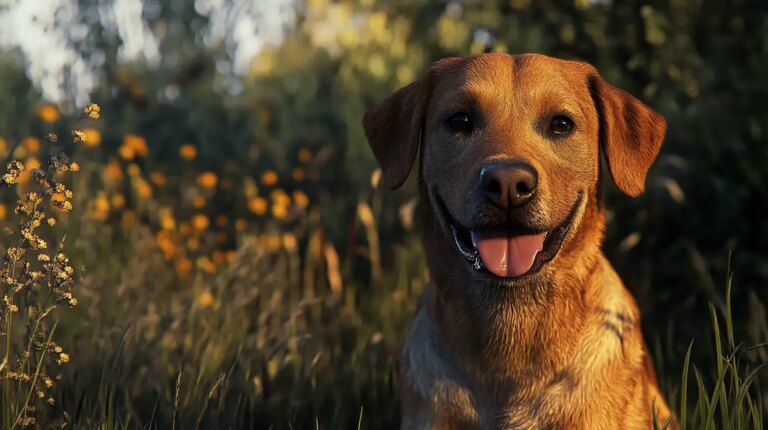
pixel 464 241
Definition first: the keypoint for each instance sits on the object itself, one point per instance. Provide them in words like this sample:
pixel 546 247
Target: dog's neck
pixel 519 334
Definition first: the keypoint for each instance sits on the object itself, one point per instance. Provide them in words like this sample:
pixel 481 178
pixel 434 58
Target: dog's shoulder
pixel 428 372
pixel 613 334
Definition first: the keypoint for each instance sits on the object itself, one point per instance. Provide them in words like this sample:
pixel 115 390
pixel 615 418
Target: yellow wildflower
pixel 221 220
pixel 206 265
pixel 133 146
pixel 92 111
pixel 113 171
pixel 289 241
pixel 14 169
pixel 158 178
pixel 205 299
pixel 188 151
pixel 279 211
pixel 79 136
pixel 100 207
pixel 257 205
pixel 207 180
pixel 167 222
pixel 200 222
pixel 138 143
pixel 59 200
pixel 166 244
pixel 133 169
pixel 126 152
pixel 270 241
pixel 269 177
pixel 118 201
pixel 32 144
pixel 49 113
pixel 101 203
pixel 300 199
pixel 143 189
pixel 198 202
pixel 92 137
pixel 280 197
pixel 15 254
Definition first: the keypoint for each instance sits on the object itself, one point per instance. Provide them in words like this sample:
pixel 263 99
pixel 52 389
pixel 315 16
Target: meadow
pixel 182 255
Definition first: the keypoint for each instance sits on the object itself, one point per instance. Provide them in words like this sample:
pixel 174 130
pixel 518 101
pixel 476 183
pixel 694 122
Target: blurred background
pixel 239 265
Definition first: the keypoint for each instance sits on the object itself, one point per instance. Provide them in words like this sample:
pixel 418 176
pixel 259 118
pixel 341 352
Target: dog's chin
pixel 525 251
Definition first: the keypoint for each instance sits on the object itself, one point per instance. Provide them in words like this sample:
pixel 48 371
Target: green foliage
pixel 735 400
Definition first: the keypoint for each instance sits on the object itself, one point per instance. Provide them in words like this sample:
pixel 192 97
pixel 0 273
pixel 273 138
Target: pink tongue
pixel 507 256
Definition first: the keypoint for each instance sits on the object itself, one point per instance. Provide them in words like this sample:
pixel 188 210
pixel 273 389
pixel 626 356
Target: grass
pixel 195 313
pixel 735 401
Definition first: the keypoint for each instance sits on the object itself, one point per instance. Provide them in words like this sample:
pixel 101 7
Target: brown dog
pixel 525 325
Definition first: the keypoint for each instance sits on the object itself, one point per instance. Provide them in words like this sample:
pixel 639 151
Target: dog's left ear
pixel 630 134
pixel 394 126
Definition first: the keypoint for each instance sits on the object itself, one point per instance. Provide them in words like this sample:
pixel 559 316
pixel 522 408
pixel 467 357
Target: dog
pixel 524 324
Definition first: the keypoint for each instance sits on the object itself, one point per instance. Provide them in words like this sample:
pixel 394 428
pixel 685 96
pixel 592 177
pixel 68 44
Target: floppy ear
pixel 630 134
pixel 394 126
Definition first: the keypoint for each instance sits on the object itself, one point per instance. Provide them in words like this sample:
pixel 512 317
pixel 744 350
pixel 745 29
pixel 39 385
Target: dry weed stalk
pixel 35 279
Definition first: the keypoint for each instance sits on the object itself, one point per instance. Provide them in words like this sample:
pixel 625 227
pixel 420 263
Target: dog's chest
pixel 451 396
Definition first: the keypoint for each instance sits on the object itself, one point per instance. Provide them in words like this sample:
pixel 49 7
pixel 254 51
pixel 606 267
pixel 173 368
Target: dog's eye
pixel 459 123
pixel 561 125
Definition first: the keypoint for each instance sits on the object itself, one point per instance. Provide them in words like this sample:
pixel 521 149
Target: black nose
pixel 509 185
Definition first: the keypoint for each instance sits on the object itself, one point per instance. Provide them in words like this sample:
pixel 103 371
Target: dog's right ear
pixel 394 127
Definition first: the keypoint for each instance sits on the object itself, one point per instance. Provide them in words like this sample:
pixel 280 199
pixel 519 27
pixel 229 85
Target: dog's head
pixel 510 153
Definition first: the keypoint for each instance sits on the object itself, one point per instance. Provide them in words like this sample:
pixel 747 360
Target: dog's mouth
pixel 508 250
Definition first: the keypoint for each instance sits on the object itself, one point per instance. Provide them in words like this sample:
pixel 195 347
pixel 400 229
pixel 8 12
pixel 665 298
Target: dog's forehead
pixel 492 75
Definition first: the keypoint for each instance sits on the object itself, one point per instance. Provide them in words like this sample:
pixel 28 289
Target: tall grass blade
pixel 360 419
pixel 684 389
pixel 719 395
pixel 745 389
pixel 177 397
pixel 728 315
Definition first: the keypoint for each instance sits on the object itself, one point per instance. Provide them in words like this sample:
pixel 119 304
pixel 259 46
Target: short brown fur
pixel 557 349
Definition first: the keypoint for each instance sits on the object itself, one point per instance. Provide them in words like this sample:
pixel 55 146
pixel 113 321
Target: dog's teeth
pixel 478 263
